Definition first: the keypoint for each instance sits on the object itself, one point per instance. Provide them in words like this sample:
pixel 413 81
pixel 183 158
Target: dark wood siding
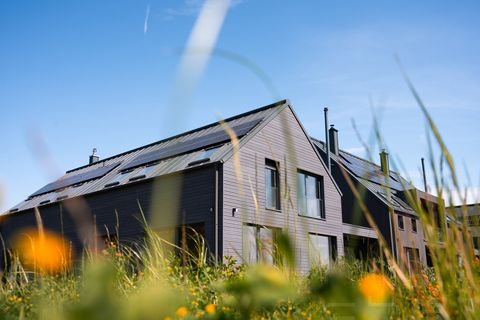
pixel 352 214
pixel 186 198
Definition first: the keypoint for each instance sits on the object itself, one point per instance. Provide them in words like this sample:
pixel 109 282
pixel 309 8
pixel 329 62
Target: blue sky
pixel 81 74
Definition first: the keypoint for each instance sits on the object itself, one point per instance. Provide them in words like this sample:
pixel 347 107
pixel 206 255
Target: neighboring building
pixel 384 194
pixel 237 199
pixel 472 216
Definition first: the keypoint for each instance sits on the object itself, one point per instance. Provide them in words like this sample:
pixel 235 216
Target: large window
pixel 259 244
pixel 320 250
pixel 400 222
pixel 412 256
pixel 272 185
pixel 310 196
pixel 414 224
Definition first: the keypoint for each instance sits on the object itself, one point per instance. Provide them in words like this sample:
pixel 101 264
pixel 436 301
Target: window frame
pixel 272 166
pixel 413 222
pixel 319 192
pixel 261 244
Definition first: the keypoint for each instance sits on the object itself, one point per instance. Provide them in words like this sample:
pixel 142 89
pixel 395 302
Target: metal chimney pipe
pixel 424 175
pixel 384 162
pixel 327 142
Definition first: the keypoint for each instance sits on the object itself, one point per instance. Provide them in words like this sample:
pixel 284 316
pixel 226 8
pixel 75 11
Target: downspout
pixel 393 240
pixel 385 166
pixel 216 213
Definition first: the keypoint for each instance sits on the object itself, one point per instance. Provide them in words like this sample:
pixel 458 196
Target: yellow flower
pixel 434 292
pixel 43 250
pixel 181 312
pixel 210 308
pixel 375 287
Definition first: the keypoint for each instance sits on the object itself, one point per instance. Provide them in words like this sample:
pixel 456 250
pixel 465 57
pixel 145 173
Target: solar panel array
pixel 78 178
pixel 363 169
pixel 191 145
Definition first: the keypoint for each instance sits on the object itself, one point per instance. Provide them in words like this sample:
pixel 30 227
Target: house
pixel 472 216
pixel 384 192
pixel 237 191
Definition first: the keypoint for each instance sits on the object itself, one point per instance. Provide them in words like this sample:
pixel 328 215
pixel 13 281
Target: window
pixel 320 250
pixel 414 225
pixel 119 178
pixel 143 172
pixel 400 222
pixel 188 238
pixel 310 196
pixel 272 185
pixel 204 156
pixel 259 244
pixel 412 256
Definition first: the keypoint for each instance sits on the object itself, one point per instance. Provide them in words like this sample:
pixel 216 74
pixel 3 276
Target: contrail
pixel 147 15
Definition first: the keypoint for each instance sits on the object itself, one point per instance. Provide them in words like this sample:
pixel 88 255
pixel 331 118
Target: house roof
pixel 198 147
pixel 371 176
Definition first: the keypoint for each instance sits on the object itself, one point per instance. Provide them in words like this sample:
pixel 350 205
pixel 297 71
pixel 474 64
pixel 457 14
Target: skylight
pixel 120 177
pixel 205 155
pixel 143 172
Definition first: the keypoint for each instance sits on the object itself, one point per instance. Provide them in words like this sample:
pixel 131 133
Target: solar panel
pixel 78 178
pixel 191 144
pixel 368 171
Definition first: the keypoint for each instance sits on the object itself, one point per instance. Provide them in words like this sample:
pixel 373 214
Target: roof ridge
pixel 238 116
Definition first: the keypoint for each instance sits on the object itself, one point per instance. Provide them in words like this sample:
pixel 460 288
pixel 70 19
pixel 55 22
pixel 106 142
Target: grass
pixel 151 282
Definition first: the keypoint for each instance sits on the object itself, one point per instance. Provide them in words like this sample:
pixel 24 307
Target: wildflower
pixel 43 250
pixel 328 312
pixel 434 292
pixel 181 312
pixel 210 308
pixel 375 288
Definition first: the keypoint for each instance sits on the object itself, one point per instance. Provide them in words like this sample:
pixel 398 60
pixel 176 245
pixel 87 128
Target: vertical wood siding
pixel 196 200
pixel 282 140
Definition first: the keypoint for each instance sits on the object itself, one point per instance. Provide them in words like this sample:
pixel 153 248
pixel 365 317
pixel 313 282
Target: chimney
pixel 384 162
pixel 424 176
pixel 333 135
pixel 327 144
pixel 94 157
